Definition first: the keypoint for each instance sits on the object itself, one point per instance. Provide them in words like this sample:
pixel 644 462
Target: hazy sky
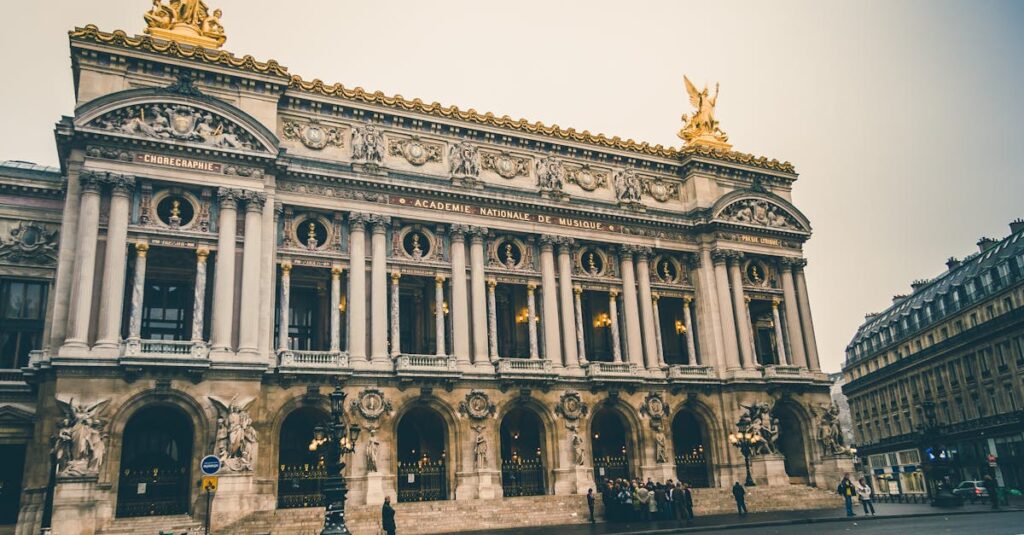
pixel 903 118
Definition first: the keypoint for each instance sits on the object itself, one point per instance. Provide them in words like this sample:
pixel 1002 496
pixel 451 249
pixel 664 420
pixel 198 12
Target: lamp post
pixel 935 459
pixel 338 439
pixel 745 441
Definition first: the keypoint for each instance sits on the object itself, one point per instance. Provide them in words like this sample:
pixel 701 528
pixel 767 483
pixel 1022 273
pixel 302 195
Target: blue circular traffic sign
pixel 210 465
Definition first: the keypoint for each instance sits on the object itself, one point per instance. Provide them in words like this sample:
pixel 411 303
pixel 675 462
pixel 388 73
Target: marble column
pixel 478 295
pixel 726 319
pixel 199 296
pixel 634 341
pixel 549 311
pixel 660 350
pixel 650 336
pixel 138 291
pixel 806 320
pixel 531 318
pixel 356 301
pixel 780 342
pixel 569 345
pixel 85 261
pixel 613 315
pixel 396 331
pixel 248 315
pixel 222 321
pixel 706 312
pixel 439 314
pixel 492 321
pixel 577 293
pixel 459 307
pixel 691 348
pixel 283 315
pixel 796 338
pixel 116 256
pixel 335 309
pixel 741 316
pixel 379 289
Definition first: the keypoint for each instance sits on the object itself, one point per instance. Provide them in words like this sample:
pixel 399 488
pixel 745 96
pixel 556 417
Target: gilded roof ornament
pixel 702 128
pixel 185 21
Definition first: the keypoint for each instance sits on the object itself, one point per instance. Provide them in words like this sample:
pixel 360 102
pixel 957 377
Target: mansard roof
pixel 273 69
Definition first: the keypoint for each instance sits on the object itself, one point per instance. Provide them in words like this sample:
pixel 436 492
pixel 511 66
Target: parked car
pixel 971 490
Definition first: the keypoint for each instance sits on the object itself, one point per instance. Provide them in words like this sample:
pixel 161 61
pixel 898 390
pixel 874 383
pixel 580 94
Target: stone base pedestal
pixel 769 469
pixel 830 469
pixel 76 501
pixel 575 480
pixel 478 485
pixel 237 496
pixel 658 472
pixel 375 489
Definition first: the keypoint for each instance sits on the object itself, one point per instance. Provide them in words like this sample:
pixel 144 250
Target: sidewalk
pixel 750 520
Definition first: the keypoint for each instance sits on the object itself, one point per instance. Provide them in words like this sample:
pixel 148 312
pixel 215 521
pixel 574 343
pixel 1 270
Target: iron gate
pixel 422 481
pixel 611 467
pixel 522 477
pixel 692 469
pixel 301 486
pixel 153 491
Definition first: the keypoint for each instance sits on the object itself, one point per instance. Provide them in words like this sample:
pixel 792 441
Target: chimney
pixel 918 284
pixel 898 297
pixel 1016 225
pixel 952 263
pixel 984 244
pixel 870 315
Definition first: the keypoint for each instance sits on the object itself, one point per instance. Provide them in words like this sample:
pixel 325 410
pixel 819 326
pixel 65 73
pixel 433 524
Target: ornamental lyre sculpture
pixel 702 128
pixel 185 21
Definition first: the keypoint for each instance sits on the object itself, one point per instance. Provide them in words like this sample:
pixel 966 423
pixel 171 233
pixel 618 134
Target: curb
pixel 818 520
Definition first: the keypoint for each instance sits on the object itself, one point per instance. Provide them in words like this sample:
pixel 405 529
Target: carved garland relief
pixel 313 134
pixel 415 151
pixel 504 164
pixel 30 243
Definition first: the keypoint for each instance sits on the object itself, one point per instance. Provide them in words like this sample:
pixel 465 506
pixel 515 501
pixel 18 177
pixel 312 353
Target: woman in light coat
pixel 864 495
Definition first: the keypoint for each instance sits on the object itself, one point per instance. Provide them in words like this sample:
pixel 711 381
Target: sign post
pixel 210 465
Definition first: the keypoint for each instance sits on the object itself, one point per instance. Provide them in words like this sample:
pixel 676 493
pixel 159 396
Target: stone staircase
pixel 153 525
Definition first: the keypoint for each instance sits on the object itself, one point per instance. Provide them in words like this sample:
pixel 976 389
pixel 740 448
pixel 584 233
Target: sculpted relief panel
pixel 760 212
pixel 177 122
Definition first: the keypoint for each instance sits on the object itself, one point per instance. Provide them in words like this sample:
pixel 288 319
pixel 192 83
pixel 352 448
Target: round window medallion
pixel 756 273
pixel 509 254
pixel 667 271
pixel 311 233
pixel 592 263
pixel 175 211
pixel 416 244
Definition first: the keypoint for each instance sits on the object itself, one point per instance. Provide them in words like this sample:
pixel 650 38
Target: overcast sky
pixel 902 117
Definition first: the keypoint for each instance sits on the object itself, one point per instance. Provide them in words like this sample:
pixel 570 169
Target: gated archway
pixel 522 453
pixel 609 434
pixel 792 445
pixel 301 472
pixel 422 456
pixel 155 471
pixel 691 452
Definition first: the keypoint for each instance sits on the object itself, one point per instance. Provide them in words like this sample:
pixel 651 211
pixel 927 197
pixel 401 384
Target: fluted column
pixel 85 261
pixel 549 312
pixel 569 346
pixel 634 341
pixel 577 293
pixel 691 348
pixel 613 314
pixel 531 318
pixel 199 296
pixel 224 271
pixel 439 314
pixel 780 342
pixel 660 349
pixel 396 331
pixel 116 256
pixel 806 320
pixel 283 316
pixel 650 330
pixel 478 295
pixel 796 338
pixel 492 320
pixel 741 317
pixel 138 291
pixel 727 319
pixel 248 316
pixel 357 287
pixel 335 309
pixel 379 289
pixel 459 307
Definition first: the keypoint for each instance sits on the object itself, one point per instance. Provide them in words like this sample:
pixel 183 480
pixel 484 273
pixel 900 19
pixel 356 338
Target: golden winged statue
pixel 702 128
pixel 185 21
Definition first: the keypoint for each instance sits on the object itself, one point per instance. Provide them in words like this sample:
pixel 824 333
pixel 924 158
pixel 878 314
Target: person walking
pixel 864 494
pixel 590 504
pixel 739 493
pixel 847 490
pixel 992 488
pixel 387 517
pixel 687 503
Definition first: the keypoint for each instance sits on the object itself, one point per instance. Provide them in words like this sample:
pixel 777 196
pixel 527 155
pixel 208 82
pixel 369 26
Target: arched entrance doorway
pixel 791 444
pixel 422 455
pixel 156 458
pixel 691 454
pixel 522 459
pixel 608 444
pixel 301 472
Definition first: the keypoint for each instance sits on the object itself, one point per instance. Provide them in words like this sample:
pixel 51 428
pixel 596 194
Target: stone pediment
pixel 15 415
pixel 760 210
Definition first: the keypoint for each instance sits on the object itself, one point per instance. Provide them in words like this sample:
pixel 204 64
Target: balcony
pixel 313 362
pixel 679 373
pixel 136 352
pixel 439 366
pixel 782 372
pixel 627 372
pixel 509 368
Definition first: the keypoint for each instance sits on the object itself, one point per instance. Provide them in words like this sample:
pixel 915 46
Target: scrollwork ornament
pixel 654 407
pixel 371 404
pixel 313 134
pixel 571 406
pixel 586 177
pixel 30 243
pixel 504 164
pixel 415 151
pixel 477 405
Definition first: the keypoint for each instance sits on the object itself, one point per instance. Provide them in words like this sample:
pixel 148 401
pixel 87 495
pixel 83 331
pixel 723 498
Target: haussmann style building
pixel 513 309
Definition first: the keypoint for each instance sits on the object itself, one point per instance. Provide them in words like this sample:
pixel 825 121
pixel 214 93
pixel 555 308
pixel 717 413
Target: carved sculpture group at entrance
pixel 758 419
pixel 236 440
pixel 79 445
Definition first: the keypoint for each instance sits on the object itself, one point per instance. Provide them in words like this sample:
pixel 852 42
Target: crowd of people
pixel 633 500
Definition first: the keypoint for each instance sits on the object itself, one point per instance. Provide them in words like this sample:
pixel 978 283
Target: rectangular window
pixel 969 367
pixel 22 308
pixel 954 378
pixel 944 333
pixel 974 319
pixel 990 312
pixel 1007 304
pixel 983 361
pixel 1002 349
pixel 1011 396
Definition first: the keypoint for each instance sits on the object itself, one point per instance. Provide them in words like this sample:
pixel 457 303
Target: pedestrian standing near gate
pixel 992 488
pixel 864 493
pixel 387 517
pixel 739 493
pixel 590 504
pixel 847 490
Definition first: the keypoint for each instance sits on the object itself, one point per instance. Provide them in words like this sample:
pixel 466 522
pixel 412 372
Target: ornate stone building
pixel 514 309
pixel 935 381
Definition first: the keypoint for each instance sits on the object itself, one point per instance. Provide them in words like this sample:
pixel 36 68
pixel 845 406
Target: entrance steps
pixel 453 516
pixel 153 525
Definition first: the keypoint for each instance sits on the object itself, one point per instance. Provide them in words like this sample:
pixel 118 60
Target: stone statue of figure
pixel 577 447
pixel 367 144
pixel 550 174
pixel 78 445
pixel 627 186
pixel 160 16
pixel 372 451
pixel 479 448
pixel 660 449
pixel 236 439
pixel 830 433
pixel 463 160
pixel 702 125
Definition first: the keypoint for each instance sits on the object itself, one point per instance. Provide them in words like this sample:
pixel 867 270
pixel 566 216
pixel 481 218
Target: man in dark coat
pixel 687 503
pixel 739 493
pixel 387 517
pixel 992 488
pixel 590 504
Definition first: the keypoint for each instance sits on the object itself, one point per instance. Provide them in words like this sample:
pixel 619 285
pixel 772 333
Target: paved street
pixel 987 523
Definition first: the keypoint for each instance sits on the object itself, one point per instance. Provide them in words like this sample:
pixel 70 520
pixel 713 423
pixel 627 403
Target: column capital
pixel 691 260
pixel 141 248
pixel 531 287
pixel 254 201
pixel 734 256
pixel 687 300
pixel 380 222
pixel 799 264
pixel 613 292
pixel 548 242
pixel 286 267
pixel 787 263
pixel 395 276
pixel 719 256
pixel 229 197
pixel 746 299
pixel 565 244
pixel 655 297
pixel 643 252
pixel 775 302
pixel 578 290
pixel 90 181
pixel 202 253
pixel 336 272
pixel 358 219
pixel 439 279
pixel 492 283
pixel 121 185
pixel 458 231
pixel 478 233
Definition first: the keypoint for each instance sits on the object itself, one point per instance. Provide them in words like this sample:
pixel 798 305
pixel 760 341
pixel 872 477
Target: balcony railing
pixel 686 371
pixel 614 371
pixel 163 349
pixel 781 371
pixel 525 368
pixel 313 359
pixel 427 366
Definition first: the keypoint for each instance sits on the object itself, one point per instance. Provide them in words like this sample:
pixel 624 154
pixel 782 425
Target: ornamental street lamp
pixel 338 439
pixel 746 442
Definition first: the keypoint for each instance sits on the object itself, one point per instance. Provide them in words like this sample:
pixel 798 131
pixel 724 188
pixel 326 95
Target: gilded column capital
pixel 254 201
pixel 141 248
pixel 776 302
pixel 396 275
pixel 286 267
pixel 531 287
pixel 439 279
pixel 202 254
pixel 229 197
pixel 687 300
pixel 492 283
pixel 578 290
pixel 336 272
pixel 613 293
pixel 655 297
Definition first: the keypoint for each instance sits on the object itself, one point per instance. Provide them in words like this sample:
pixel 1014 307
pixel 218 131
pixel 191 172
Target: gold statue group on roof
pixel 186 21
pixel 702 128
